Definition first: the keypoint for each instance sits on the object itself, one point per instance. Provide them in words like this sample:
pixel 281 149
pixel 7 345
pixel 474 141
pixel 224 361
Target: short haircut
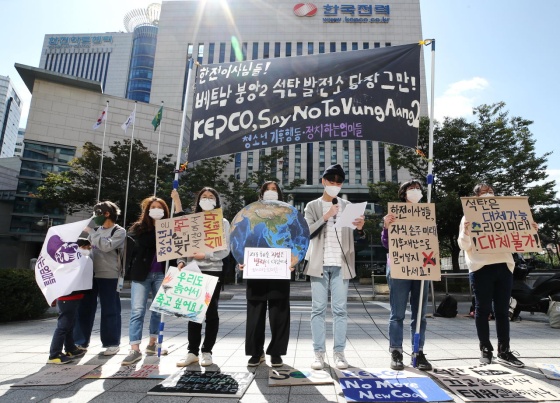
pixel 107 206
pixel 476 189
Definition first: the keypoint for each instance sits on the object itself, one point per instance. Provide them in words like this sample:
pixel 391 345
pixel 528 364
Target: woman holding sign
pixel 211 264
pixel 146 274
pixel 275 294
pixel 491 276
pixel 401 289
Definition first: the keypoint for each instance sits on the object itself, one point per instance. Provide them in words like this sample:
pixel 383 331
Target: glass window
pixel 333 47
pixel 255 50
pixel 288 49
pixel 222 56
pixel 299 49
pixel 366 45
pixel 354 45
pixel 343 47
pixel 211 53
pixel 266 50
pixel 309 48
pixel 321 47
pixel 276 49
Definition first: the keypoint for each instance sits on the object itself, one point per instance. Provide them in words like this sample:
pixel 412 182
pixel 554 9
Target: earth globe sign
pixel 269 224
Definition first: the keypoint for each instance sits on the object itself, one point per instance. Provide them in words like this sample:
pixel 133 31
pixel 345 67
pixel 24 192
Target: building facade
pixel 218 32
pixel 10 113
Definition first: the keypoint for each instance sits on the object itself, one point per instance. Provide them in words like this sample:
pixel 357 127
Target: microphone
pixel 334 202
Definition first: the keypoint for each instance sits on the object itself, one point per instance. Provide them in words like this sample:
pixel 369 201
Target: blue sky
pixel 487 51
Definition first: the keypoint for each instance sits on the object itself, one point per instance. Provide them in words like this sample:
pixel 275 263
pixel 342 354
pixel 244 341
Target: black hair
pixel 334 178
pixel 404 187
pixel 197 208
pixel 264 188
pixel 107 206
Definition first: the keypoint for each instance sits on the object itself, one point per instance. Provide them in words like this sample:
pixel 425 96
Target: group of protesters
pixel 331 265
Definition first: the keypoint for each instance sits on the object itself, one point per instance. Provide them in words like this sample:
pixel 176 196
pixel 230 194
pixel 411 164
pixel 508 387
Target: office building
pixel 10 113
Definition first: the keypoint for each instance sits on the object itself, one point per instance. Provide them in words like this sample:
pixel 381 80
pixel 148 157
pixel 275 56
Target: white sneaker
pixel 206 359
pixel 111 351
pixel 339 360
pixel 319 362
pixel 188 360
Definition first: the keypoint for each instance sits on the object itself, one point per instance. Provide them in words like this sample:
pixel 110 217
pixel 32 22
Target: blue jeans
pixel 138 300
pixel 492 283
pixel 64 332
pixel 110 327
pixel 399 292
pixel 332 277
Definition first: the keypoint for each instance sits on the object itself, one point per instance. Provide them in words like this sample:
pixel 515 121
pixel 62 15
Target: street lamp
pixel 45 221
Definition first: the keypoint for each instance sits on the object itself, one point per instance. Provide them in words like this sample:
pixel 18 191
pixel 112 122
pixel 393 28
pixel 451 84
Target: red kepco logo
pixel 305 10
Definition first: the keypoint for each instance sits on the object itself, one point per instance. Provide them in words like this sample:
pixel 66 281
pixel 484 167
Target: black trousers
pixel 211 329
pixel 279 318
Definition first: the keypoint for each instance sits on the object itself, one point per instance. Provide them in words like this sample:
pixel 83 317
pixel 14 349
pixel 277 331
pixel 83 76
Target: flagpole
pixel 102 150
pixel 157 156
pixel 429 180
pixel 176 182
pixel 129 164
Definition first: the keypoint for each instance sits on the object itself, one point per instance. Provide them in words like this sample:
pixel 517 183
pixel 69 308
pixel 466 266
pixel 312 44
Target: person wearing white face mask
pixel 491 277
pixel 401 290
pixel 146 275
pixel 331 266
pixel 211 264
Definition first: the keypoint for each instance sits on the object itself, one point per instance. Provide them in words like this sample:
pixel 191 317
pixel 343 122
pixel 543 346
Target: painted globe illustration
pixel 269 224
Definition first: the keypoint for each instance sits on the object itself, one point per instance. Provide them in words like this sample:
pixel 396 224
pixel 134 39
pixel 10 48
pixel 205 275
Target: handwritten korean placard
pixel 501 224
pixel 413 242
pixel 184 293
pixel 182 236
pixel 267 263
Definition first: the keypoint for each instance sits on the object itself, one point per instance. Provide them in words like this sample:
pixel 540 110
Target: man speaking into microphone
pixel 331 265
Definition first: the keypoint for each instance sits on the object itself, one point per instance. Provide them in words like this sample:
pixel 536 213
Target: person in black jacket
pixel 146 274
pixel 275 294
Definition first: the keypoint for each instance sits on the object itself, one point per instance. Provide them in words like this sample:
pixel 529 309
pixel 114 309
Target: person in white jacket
pixel 491 276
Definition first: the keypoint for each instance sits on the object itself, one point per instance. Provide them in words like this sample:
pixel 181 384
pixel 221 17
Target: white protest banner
pixel 267 263
pixel 384 385
pixel 494 383
pixel 185 293
pixel 413 242
pixel 61 268
pixel 501 224
pixel 183 236
pixel 295 377
pixel 56 375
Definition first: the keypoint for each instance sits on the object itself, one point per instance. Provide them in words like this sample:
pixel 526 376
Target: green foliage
pixel 494 148
pixel 21 298
pixel 550 231
pixel 76 189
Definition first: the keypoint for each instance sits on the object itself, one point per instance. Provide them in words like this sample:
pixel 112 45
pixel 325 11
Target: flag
pixel 61 268
pixel 129 121
pixel 102 118
pixel 157 118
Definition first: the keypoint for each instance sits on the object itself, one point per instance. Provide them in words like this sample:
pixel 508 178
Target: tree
pixel 550 230
pixel 494 148
pixel 76 189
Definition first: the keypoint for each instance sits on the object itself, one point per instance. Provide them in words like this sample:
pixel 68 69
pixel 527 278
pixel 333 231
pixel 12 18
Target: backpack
pixel 125 253
pixel 447 308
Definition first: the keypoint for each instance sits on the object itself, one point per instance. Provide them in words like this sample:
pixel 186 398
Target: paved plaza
pixel 449 342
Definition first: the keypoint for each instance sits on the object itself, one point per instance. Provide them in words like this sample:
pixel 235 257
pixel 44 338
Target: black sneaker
pixel 396 360
pixel 422 363
pixel 255 360
pixel 486 356
pixel 276 361
pixel 76 353
pixel 508 358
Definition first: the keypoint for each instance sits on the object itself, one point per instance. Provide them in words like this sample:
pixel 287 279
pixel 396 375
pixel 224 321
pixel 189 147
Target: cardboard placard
pixel 295 377
pixel 56 375
pixel 413 242
pixel 146 371
pixel 267 263
pixel 185 235
pixel 493 383
pixel 501 224
pixel 208 384
pixel 383 385
pixel 185 293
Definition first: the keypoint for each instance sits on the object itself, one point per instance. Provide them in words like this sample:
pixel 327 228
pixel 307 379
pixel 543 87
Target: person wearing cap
pixel 106 241
pixel 331 265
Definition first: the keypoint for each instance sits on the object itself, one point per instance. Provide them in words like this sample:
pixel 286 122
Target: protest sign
pixel 207 384
pixel 267 263
pixel 56 375
pixel 141 371
pixel 185 235
pixel 383 385
pixel 61 268
pixel 501 224
pixel 413 242
pixel 551 371
pixel 294 377
pixel 493 383
pixel 185 293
